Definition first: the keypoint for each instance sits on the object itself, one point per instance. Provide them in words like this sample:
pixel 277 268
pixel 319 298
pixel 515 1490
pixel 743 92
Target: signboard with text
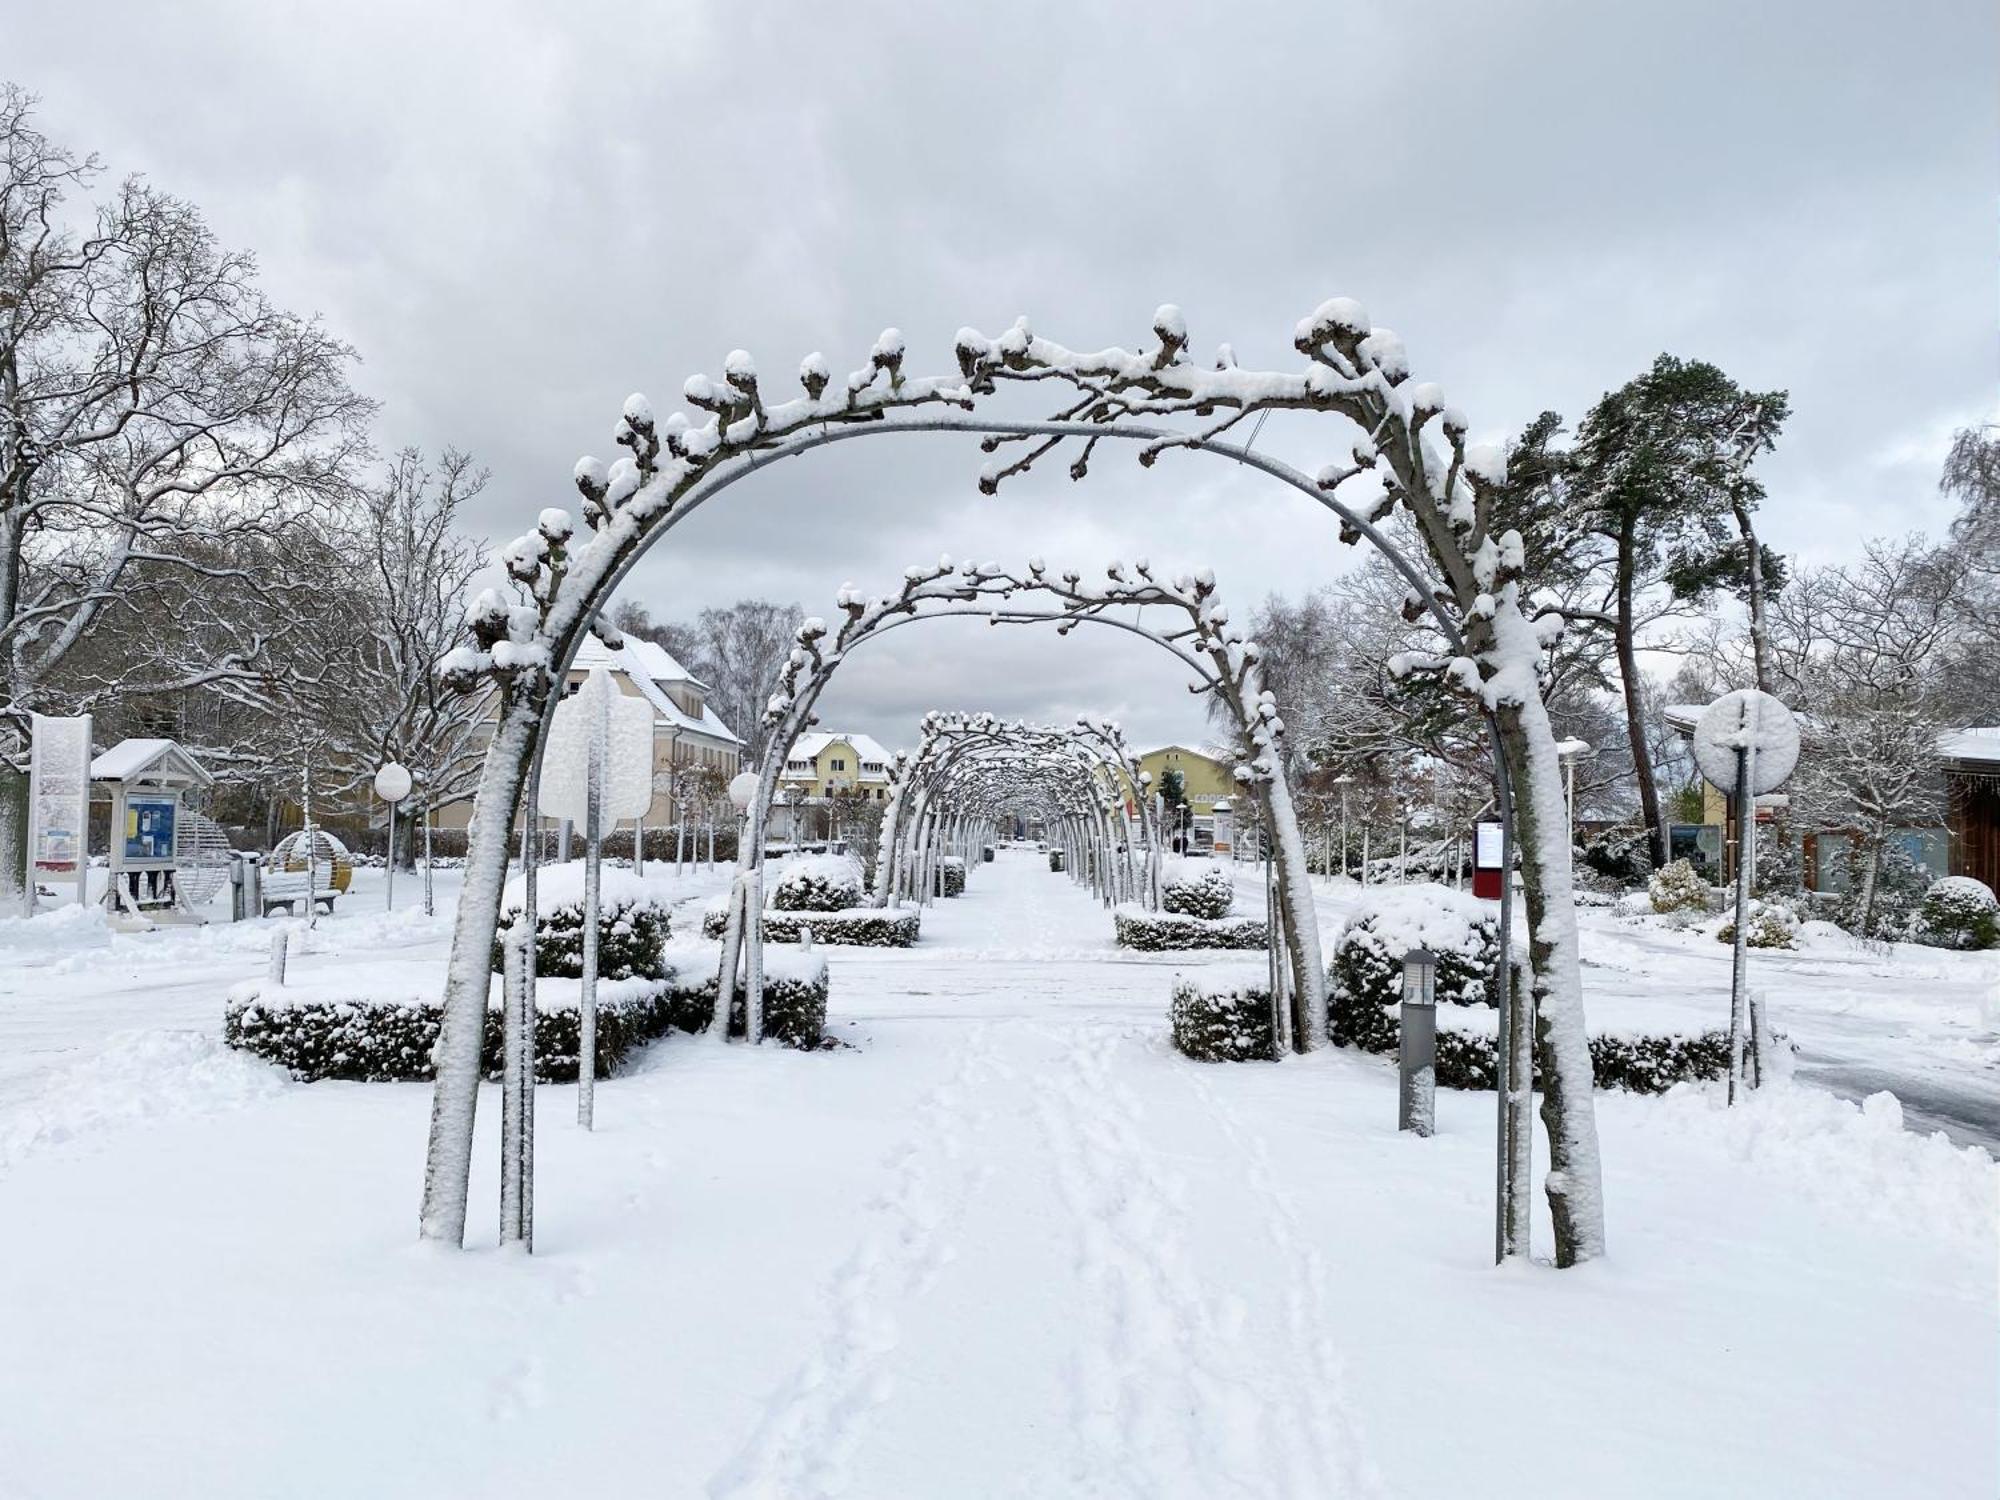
pixel 59 799
pixel 1489 860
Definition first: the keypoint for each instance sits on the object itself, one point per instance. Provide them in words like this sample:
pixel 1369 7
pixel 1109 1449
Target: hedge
pixel 1191 890
pixel 1214 1024
pixel 817 882
pixel 370 1041
pixel 1162 932
pixel 858 927
pixel 631 931
pixel 1056 860
pixel 951 876
pixel 1461 932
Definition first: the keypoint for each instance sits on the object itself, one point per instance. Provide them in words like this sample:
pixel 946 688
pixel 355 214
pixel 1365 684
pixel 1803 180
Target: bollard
pixel 238 895
pixel 278 941
pixel 806 938
pixel 1416 1053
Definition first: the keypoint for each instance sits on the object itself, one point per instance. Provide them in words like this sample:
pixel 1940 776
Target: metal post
pixel 430 904
pixel 1416 1053
pixel 1746 869
pixel 279 945
pixel 512 1063
pixel 389 868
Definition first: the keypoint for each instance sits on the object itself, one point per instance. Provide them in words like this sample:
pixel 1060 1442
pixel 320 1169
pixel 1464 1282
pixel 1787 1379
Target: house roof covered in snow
pixel 1979 746
pixel 652 669
pixel 134 760
pixel 867 751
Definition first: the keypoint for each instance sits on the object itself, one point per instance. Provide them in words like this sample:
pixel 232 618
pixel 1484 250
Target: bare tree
pixel 151 399
pixel 736 653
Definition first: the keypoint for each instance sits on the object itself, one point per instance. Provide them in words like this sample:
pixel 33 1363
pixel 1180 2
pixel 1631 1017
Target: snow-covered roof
pixel 653 669
pixel 129 760
pixel 867 751
pixel 1978 744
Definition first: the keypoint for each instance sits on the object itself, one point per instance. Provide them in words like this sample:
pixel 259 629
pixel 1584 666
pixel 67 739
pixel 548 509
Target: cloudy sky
pixel 519 213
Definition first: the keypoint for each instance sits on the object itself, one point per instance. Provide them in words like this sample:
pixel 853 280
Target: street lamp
pixel 1570 752
pixel 1343 781
pixel 392 785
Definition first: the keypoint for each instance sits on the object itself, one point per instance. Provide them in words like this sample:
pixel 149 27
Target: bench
pixel 287 889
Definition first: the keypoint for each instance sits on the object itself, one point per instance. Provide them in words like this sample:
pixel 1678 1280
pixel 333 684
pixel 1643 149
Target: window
pixel 839 765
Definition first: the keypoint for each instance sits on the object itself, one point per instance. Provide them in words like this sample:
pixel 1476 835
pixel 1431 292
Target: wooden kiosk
pixel 147 780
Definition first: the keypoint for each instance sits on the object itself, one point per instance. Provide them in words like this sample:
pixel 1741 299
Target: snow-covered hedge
pixel 986 854
pixel 369 1024
pixel 1771 926
pixel 1056 860
pixel 1193 888
pixel 859 927
pixel 1678 887
pixel 1222 1017
pixel 381 1038
pixel 1367 967
pixel 1958 912
pixel 951 876
pixel 633 923
pixel 1162 932
pixel 817 882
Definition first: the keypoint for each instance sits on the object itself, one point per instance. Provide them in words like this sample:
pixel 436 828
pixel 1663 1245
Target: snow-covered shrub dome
pixel 1196 888
pixel 1771 925
pixel 1367 969
pixel 1959 912
pixel 1617 855
pixel 818 882
pixel 1678 887
pixel 632 923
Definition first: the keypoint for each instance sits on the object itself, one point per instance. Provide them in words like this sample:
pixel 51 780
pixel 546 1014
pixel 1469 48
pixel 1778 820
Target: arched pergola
pixel 1195 627
pixel 1465 572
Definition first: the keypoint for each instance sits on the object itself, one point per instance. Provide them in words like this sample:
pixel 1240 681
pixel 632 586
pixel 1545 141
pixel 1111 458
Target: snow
pixel 1423 915
pixel 562 885
pixel 1004 1242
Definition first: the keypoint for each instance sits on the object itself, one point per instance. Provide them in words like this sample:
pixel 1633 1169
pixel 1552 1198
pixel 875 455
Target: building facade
pixel 1209 781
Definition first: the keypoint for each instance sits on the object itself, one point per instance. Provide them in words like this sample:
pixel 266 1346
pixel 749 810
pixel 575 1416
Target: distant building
pixel 687 733
pixel 819 765
pixel 1209 779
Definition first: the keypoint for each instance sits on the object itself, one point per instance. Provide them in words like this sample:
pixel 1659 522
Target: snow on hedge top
pixel 837 871
pixel 1425 915
pixel 1964 891
pixel 562 885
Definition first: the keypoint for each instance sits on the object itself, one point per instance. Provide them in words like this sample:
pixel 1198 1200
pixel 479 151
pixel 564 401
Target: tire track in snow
pixel 803 1446
pixel 1173 1394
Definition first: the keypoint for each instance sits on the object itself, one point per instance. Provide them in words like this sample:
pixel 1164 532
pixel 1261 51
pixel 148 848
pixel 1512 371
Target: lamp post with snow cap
pixel 392 785
pixel 1569 752
pixel 1343 781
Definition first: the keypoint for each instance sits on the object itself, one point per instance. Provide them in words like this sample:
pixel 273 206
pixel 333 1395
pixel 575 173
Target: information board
pixel 59 798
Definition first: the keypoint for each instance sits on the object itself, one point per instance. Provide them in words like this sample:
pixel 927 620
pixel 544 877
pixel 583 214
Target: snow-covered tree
pixel 153 405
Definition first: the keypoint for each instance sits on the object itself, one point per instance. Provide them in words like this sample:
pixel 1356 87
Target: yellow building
pixel 1208 779
pixel 819 765
pixel 687 734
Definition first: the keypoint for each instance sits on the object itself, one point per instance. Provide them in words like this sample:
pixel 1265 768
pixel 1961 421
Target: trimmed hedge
pixel 1164 932
pixel 1222 1025
pixel 824 882
pixel 1193 891
pixel 1464 936
pixel 951 876
pixel 1056 861
pixel 630 935
pixel 858 927
pixel 367 1041
pixel 1958 912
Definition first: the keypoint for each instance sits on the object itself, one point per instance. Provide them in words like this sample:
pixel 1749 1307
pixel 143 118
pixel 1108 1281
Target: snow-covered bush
pixel 817 882
pixel 1165 932
pixel 951 876
pixel 986 854
pixel 857 927
pixel 1900 887
pixel 1618 855
pixel 1196 888
pixel 1678 887
pixel 1056 860
pixel 632 923
pixel 795 990
pixel 1222 1018
pixel 1958 912
pixel 1772 925
pixel 1366 972
pixel 368 1039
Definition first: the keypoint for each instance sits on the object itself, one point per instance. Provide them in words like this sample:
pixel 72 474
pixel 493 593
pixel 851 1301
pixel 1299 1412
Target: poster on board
pixel 59 801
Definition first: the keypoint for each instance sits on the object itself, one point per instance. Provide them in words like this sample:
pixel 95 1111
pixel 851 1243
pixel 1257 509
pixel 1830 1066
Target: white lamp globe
pixel 392 782
pixel 743 789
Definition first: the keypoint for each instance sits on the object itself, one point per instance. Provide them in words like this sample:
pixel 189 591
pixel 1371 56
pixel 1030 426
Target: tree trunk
pixel 469 975
pixel 1635 712
pixel 1869 876
pixel 1760 628
pixel 1575 1183
pixel 1295 901
pixel 13 841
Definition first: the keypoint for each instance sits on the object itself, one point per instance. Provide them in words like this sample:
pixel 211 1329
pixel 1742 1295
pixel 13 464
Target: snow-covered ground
pixel 1005 1243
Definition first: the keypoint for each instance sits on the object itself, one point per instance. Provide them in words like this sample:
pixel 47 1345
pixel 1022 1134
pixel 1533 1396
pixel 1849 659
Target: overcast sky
pixel 519 213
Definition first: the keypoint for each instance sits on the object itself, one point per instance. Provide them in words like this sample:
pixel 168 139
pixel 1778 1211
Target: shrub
pixel 1216 1021
pixel 1367 968
pixel 860 927
pixel 1189 888
pixel 1056 860
pixel 1900 887
pixel 1162 932
pixel 1771 926
pixel 1678 887
pixel 817 882
pixel 986 854
pixel 794 1004
pixel 632 924
pixel 1958 912
pixel 951 876
pixel 1618 854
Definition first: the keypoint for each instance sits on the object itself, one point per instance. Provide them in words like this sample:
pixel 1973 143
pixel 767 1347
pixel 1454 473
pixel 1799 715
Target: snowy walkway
pixel 1006 1244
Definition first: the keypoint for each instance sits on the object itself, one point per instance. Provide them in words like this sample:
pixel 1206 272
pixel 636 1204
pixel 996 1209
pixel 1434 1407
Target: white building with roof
pixel 688 735
pixel 821 764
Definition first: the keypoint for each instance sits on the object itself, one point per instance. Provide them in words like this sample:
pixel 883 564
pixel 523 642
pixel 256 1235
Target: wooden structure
pixel 147 780
pixel 1972 779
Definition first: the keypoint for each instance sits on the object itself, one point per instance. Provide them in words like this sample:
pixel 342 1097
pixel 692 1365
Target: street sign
pixel 628 759
pixel 1489 870
pixel 1747 720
